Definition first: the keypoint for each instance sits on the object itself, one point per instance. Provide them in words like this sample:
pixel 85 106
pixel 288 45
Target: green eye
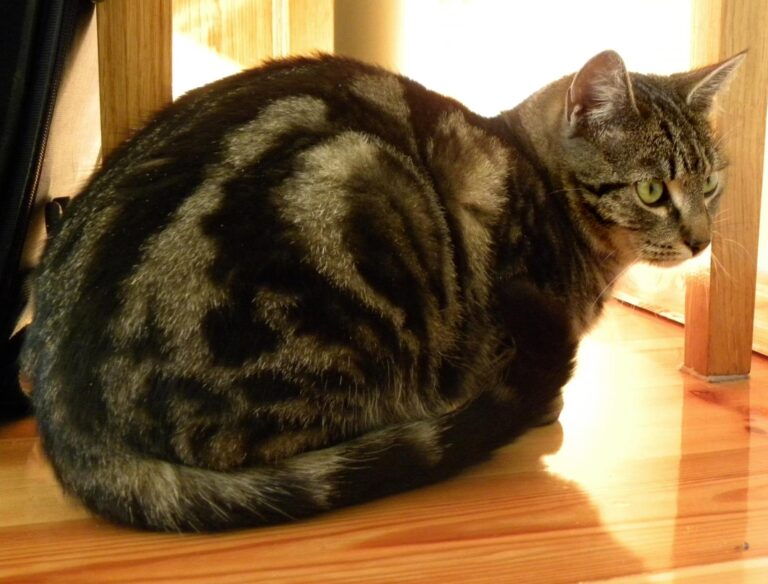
pixel 650 191
pixel 710 184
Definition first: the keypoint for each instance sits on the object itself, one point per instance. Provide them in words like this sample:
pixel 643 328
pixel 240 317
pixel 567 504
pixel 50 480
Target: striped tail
pixel 128 488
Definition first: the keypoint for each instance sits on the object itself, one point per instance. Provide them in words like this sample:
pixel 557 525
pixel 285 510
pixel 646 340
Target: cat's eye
pixel 650 191
pixel 710 184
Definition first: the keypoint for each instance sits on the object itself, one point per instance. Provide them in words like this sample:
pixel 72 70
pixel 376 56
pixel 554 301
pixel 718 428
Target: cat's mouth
pixel 669 255
pixel 671 259
pixel 666 263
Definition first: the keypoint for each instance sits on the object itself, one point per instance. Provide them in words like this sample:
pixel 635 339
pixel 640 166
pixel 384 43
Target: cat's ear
pixel 700 86
pixel 600 91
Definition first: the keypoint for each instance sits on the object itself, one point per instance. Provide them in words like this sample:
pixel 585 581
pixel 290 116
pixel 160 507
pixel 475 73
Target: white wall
pixel 491 54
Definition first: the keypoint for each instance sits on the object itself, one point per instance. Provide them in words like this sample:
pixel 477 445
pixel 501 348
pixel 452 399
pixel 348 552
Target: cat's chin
pixel 667 263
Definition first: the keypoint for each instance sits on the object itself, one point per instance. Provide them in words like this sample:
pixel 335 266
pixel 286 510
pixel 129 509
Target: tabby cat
pixel 316 283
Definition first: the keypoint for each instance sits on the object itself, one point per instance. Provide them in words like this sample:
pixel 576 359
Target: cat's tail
pixel 129 488
pixel 143 492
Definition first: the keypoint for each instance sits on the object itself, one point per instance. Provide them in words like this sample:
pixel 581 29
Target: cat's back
pixel 259 122
pixel 264 216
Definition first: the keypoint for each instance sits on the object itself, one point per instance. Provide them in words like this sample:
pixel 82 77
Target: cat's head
pixel 644 156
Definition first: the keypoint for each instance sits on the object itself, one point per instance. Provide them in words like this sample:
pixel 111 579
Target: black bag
pixel 35 36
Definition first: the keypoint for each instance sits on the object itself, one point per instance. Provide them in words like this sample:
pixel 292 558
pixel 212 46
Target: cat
pixel 316 282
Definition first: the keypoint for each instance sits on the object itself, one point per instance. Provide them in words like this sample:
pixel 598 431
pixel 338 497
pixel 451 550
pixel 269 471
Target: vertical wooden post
pixel 370 30
pixel 720 309
pixel 239 30
pixel 301 27
pixel 134 38
pixel 311 26
pixel 250 31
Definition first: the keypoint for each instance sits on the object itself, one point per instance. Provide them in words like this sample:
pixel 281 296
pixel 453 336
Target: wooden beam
pixel 311 26
pixel 240 30
pixel 302 27
pixel 720 308
pixel 369 29
pixel 134 38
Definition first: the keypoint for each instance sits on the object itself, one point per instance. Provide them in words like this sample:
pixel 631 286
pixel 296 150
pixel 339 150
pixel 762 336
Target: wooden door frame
pixel 135 61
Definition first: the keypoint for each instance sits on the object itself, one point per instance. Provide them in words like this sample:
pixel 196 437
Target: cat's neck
pixel 542 117
pixel 536 130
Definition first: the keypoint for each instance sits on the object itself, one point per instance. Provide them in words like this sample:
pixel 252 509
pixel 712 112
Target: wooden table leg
pixel 134 65
pixel 720 309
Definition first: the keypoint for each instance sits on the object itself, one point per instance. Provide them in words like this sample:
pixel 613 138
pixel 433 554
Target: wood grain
pixel 250 31
pixel 240 30
pixel 134 38
pixel 720 311
pixel 650 476
pixel 310 26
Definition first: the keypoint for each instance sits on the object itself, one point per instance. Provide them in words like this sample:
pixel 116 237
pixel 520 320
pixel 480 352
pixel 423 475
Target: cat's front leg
pixel 541 349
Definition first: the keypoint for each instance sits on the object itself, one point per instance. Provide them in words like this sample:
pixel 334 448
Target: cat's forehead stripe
pixel 671 140
pixel 686 145
pixel 689 142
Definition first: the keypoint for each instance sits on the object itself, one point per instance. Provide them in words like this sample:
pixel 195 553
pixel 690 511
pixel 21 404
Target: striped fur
pixel 316 283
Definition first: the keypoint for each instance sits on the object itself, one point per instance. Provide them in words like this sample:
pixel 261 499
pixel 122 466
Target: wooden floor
pixel 651 476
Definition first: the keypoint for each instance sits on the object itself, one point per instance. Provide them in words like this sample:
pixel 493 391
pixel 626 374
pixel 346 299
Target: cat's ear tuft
pixel 600 91
pixel 700 86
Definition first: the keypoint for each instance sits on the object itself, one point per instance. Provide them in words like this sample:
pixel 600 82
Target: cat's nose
pixel 696 234
pixel 696 244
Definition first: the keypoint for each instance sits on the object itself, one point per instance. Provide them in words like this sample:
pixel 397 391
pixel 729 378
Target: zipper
pixel 56 21
pixel 55 30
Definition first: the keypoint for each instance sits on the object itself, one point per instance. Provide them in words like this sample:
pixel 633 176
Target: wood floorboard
pixel 650 476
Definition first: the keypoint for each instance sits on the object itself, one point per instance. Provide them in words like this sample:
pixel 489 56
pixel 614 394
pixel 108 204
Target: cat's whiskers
pixel 722 137
pixel 722 217
pixel 718 265
pixel 609 285
pixel 720 140
pixel 730 241
pixel 564 191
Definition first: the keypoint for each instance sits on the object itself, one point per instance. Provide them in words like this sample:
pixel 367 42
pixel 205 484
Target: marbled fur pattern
pixel 317 282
